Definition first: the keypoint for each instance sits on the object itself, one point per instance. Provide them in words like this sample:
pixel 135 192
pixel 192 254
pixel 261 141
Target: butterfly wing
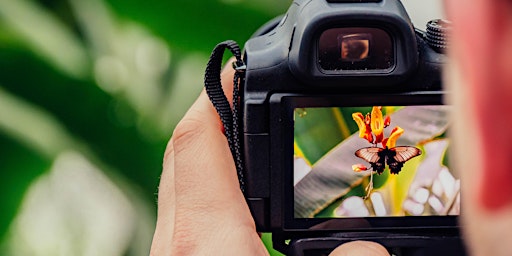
pixel 397 156
pixel 404 153
pixel 373 155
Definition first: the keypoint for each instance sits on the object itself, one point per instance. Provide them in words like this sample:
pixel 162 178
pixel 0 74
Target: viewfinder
pixel 355 49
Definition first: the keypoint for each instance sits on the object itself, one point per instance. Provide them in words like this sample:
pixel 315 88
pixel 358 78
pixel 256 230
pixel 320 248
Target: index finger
pixel 360 248
pixel 206 182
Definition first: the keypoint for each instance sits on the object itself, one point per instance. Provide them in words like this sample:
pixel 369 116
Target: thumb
pixel 360 248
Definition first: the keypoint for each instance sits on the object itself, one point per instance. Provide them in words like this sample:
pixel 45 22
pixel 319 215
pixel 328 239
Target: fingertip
pixel 360 248
pixel 203 109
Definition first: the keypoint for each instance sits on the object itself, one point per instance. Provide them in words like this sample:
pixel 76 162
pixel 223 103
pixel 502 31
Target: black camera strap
pixel 229 116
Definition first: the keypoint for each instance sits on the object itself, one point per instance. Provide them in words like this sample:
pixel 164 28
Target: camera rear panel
pixel 312 86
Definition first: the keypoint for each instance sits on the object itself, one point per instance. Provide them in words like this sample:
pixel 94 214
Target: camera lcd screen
pixel 374 161
pixel 355 49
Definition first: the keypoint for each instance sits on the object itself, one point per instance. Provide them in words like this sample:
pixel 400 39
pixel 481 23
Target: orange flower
pixel 393 137
pixel 363 123
pixel 377 124
pixel 359 167
pixel 387 121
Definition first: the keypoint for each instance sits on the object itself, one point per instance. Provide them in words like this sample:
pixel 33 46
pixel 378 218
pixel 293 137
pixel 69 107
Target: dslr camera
pixel 343 130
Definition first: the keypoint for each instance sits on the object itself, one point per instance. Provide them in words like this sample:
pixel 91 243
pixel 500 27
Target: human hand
pixel 201 210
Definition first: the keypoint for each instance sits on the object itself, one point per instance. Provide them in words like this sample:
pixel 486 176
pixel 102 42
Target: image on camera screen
pixel 375 161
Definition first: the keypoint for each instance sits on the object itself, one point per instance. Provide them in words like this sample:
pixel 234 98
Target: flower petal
pixel 393 137
pixel 387 121
pixel 360 121
pixel 384 142
pixel 359 167
pixel 377 124
pixel 368 136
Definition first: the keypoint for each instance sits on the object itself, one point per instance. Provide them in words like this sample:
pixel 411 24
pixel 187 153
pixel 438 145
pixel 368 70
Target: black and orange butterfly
pixel 393 157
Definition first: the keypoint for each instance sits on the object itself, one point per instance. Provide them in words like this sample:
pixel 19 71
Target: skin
pixel 481 81
pixel 201 210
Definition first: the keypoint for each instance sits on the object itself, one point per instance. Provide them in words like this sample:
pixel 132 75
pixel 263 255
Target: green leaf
pixel 318 130
pixel 19 166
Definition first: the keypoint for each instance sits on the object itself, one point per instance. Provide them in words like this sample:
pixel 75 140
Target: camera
pixel 344 130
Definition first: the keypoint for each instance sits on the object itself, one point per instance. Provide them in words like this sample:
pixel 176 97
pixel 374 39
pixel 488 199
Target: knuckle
pixel 190 227
pixel 187 130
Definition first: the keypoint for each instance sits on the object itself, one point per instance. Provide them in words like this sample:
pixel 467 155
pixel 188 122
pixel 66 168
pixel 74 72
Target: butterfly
pixel 393 157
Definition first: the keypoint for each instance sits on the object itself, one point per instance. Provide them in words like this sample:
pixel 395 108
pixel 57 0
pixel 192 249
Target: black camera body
pixel 327 54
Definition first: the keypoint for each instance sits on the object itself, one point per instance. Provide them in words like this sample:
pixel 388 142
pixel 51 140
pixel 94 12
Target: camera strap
pixel 229 116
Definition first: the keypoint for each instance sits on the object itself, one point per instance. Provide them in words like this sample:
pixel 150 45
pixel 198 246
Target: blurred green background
pixel 90 91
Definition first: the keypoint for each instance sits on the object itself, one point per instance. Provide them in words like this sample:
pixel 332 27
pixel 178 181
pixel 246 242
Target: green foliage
pixel 107 80
pixel 20 166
